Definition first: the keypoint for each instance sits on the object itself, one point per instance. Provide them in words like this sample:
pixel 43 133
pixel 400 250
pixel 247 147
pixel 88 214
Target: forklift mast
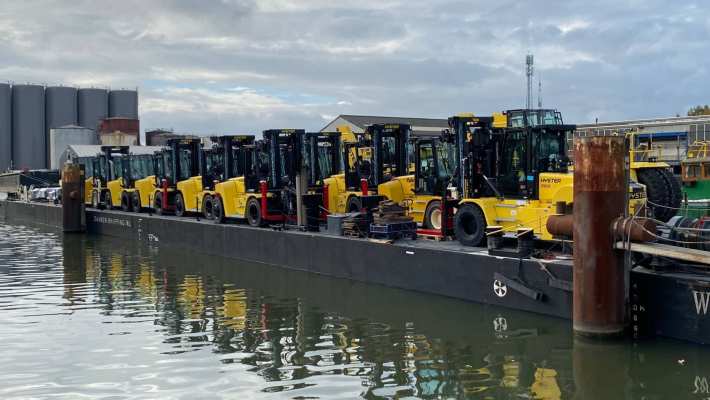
pixel 284 149
pixel 322 156
pixel 389 155
pixel 471 137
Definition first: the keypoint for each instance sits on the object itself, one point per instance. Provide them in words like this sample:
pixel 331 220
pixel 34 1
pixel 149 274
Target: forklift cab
pixel 387 156
pixel 179 161
pixel 507 161
pixel 279 157
pixel 132 167
pixel 534 142
pixel 229 158
pixel 434 164
pixel 103 164
pixel 321 156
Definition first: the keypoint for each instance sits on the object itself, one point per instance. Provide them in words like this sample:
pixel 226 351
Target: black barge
pixel 671 302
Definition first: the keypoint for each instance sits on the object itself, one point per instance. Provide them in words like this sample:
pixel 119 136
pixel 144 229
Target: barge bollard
pixel 73 216
pixel 599 198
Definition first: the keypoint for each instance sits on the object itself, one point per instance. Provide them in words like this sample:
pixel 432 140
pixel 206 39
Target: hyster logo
pixel 551 180
pixel 701 302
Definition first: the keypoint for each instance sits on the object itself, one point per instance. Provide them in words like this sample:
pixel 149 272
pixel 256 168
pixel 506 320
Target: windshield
pixel 185 159
pixel 325 164
pixel 549 151
pixel 116 167
pixel 88 166
pixel 167 163
pixel 516 118
pixel 214 164
pixel 141 166
pixel 445 153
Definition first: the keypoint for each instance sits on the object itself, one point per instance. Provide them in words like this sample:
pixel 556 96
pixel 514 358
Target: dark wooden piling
pixel 599 199
pixel 73 216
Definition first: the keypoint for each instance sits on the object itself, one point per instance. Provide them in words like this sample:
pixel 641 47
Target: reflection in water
pixel 100 317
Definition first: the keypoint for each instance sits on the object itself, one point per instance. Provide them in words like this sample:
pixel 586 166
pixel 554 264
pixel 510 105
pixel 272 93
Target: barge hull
pixel 445 269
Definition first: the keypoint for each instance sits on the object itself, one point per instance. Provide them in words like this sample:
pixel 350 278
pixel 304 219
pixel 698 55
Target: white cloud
pixel 573 25
pixel 213 66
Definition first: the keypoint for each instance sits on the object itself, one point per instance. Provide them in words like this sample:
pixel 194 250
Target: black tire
pixel 676 192
pixel 179 205
pixel 126 202
pixel 354 204
pixel 136 202
pixel 657 192
pixel 207 206
pixel 158 203
pixel 433 215
pixel 470 225
pixel 217 210
pixel 254 212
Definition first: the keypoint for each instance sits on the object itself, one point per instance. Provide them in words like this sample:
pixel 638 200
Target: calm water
pixel 99 318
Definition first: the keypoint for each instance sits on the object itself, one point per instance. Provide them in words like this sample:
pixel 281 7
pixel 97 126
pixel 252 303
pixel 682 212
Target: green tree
pixel 699 110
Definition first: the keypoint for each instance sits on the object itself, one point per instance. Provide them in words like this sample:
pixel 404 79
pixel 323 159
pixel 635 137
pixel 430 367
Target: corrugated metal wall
pixel 29 144
pixel 93 107
pixel 5 126
pixel 61 138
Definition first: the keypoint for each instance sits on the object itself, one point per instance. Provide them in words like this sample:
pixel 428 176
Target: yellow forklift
pixel 372 165
pixel 107 178
pixel 514 177
pixel 230 157
pixel 177 177
pixel 322 159
pixel 137 180
pixel 265 193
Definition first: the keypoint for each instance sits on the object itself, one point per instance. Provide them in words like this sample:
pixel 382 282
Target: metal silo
pixel 29 144
pixel 123 103
pixel 61 104
pixel 92 107
pixel 5 126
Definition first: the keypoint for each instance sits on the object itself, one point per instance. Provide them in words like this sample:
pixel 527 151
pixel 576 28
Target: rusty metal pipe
pixel 635 230
pixel 599 196
pixel 559 225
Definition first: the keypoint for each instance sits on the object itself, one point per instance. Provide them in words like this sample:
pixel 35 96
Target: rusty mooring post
pixel 599 198
pixel 73 217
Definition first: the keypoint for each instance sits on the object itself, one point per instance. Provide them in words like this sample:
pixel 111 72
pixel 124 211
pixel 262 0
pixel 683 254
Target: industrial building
pixel 671 135
pixel 28 114
pixel 159 137
pixel 358 123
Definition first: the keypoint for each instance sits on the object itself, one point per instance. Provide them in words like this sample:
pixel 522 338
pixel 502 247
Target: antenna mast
pixel 529 74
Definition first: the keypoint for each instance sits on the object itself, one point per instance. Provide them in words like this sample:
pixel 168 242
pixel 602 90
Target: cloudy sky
pixel 246 65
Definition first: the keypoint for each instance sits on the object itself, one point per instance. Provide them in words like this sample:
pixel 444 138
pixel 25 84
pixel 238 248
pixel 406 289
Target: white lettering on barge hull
pixel 112 221
pixel 702 299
